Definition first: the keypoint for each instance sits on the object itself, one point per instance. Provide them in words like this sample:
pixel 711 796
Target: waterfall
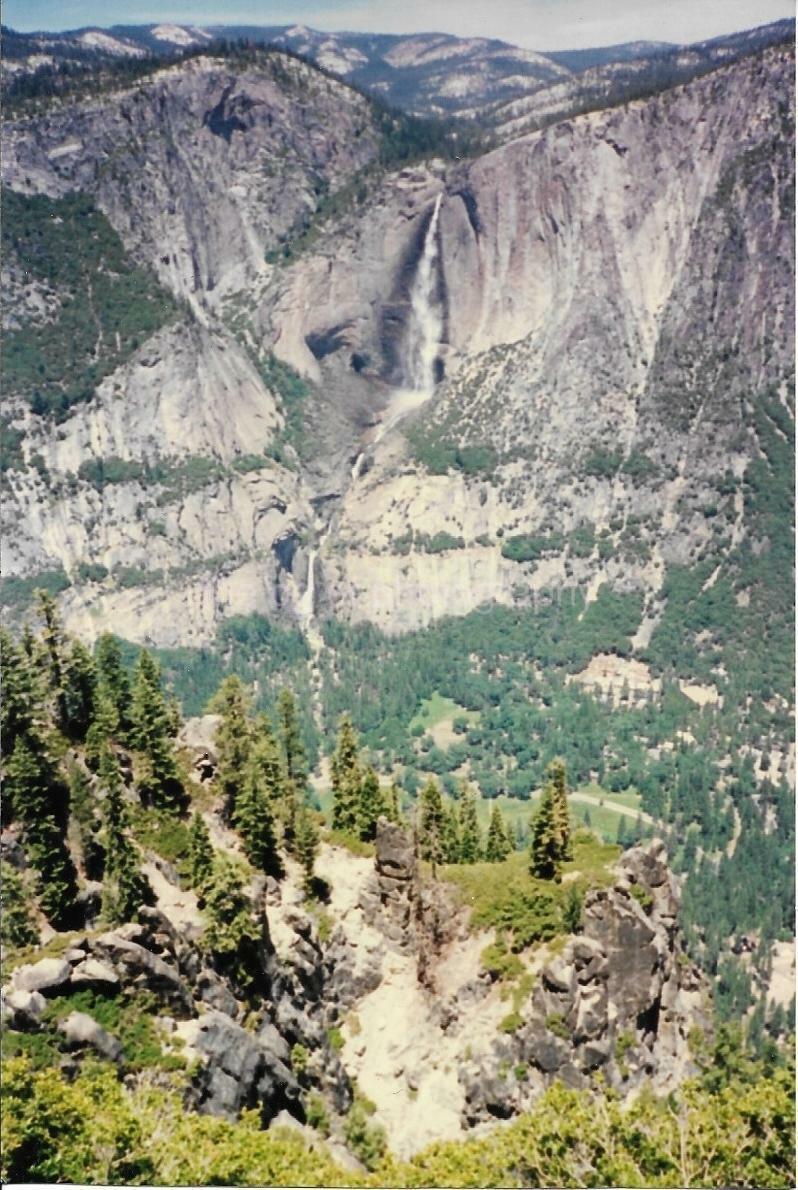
pixel 307 602
pixel 425 325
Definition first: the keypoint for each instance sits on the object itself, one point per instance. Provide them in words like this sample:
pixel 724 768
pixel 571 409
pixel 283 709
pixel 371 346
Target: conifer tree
pixel 371 805
pixel 254 821
pixel 545 846
pixel 113 680
pixel 231 934
pixel 470 842
pixel 393 803
pixel 79 690
pixel 50 649
pixel 125 888
pixel 40 799
pixel 293 748
pixel 266 767
pixel 233 739
pixel 200 853
pixel 431 824
pixel 346 779
pixel 497 847
pixel 451 850
pixel 306 843
pixel 156 769
pixel 22 692
pixel 103 728
pixel 562 822
pixel 16 924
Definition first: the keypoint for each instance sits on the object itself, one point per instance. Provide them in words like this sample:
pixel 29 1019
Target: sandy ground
pixel 782 979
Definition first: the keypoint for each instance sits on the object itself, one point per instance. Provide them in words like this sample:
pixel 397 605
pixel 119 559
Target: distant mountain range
pixel 430 74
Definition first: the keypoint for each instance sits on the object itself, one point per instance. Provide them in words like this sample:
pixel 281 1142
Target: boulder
pixel 80 1029
pixel 93 973
pixel 239 1071
pixel 48 976
pixel 25 1007
pixel 141 965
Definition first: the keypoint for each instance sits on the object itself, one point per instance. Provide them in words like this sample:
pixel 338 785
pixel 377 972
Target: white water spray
pixel 425 325
pixel 307 601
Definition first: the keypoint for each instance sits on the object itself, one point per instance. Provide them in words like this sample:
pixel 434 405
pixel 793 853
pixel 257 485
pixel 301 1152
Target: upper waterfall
pixel 426 323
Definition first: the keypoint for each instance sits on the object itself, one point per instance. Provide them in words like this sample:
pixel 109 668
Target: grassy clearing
pixel 521 907
pixel 436 710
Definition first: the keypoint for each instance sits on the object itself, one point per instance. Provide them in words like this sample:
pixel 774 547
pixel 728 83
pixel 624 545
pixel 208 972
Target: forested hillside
pixel 142 866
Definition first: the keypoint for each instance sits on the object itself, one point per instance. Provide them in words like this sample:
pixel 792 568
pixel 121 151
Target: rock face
pixel 620 999
pixel 578 323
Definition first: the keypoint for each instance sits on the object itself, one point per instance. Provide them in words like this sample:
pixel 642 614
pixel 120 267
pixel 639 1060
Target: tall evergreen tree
pixel 371 804
pixel 113 680
pixel 40 798
pixel 431 824
pixel 470 842
pixel 296 769
pixel 16 923
pixel 104 726
pixel 231 933
pixel 451 851
pixel 393 803
pixel 79 690
pixel 497 848
pixel 266 767
pixel 346 778
pixel 21 703
pixel 562 821
pixel 545 845
pixel 306 844
pixel 156 768
pixel 200 853
pixel 233 740
pixel 125 887
pixel 254 821
pixel 50 648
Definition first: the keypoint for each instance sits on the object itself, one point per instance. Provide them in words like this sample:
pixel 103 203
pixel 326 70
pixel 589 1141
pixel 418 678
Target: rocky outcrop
pixel 579 269
pixel 414 917
pixel 621 998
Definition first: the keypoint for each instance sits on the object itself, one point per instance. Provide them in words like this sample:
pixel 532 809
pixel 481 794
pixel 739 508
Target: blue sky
pixel 539 24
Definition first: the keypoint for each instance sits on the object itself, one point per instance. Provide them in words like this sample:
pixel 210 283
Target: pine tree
pixel 50 648
pixel 346 779
pixel 233 740
pixel 371 805
pixel 22 692
pixel 562 822
pixel 156 769
pixel 231 935
pixel 306 843
pixel 200 853
pixel 41 799
pixel 470 841
pixel 266 767
pixel 254 821
pixel 125 888
pixel 497 848
pixel 293 749
pixel 451 850
pixel 113 681
pixel 545 846
pixel 16 924
pixel 79 690
pixel 431 824
pixel 103 728
pixel 393 803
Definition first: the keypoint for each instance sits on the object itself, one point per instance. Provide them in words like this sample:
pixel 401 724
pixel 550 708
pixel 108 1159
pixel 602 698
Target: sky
pixel 536 24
